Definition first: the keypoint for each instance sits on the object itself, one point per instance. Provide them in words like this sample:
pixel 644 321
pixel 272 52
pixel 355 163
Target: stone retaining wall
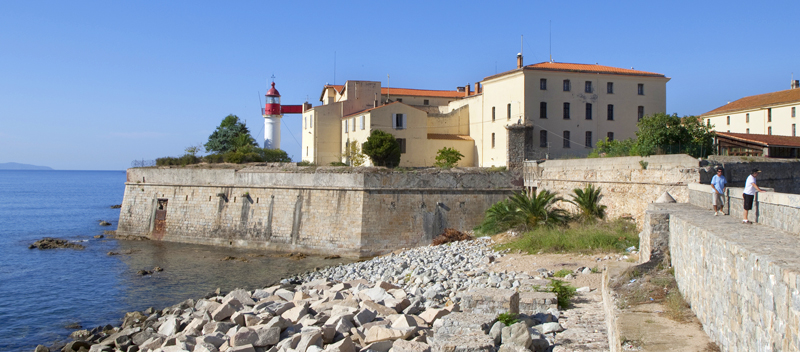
pixel 742 281
pixel 349 214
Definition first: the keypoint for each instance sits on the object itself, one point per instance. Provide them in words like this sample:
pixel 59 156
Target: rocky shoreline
pixel 433 298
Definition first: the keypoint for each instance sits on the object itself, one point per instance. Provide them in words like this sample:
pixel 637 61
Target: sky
pixel 94 85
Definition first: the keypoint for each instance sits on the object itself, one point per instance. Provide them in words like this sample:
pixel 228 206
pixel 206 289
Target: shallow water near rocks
pixel 43 291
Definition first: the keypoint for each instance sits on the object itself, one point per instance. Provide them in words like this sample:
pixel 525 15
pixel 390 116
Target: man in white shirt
pixel 750 189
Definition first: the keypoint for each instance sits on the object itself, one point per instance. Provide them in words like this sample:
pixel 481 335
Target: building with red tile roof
pixel 744 144
pixel 768 114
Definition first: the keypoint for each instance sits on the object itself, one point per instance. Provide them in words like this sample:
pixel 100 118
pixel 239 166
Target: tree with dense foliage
pixel 588 202
pixel 382 148
pixel 662 134
pixel 447 158
pixel 230 135
pixel 523 212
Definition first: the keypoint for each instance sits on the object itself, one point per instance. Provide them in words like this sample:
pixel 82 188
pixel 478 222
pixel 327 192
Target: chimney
pixel 519 60
pixel 466 90
pixel 477 87
pixel 306 106
pixel 795 84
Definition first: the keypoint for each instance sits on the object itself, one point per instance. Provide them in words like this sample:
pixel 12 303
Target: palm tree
pixel 588 202
pixel 538 210
pixel 499 217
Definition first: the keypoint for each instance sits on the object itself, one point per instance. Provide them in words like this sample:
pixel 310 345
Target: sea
pixel 47 294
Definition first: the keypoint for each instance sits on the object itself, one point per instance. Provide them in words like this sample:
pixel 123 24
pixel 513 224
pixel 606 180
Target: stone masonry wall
pixel 773 209
pixel 349 214
pixel 742 282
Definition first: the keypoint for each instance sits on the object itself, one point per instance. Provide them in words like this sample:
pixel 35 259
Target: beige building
pixel 545 110
pixel 768 114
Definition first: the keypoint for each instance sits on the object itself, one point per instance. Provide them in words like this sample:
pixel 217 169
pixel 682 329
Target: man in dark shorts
pixel 750 189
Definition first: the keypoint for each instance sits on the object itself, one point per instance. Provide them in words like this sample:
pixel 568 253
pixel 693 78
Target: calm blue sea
pixel 43 291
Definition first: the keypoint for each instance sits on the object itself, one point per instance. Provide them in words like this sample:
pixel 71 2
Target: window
pixel 566 139
pixel 399 122
pixel 543 139
pixel 747 131
pixel 708 122
pixel 492 113
pixel 492 140
pixel 311 121
pixel 588 142
pixel 794 132
pixel 610 112
pixel 425 102
pixel 306 150
pixel 610 87
pixel 640 113
pixel 399 100
pixel 566 85
pixel 363 119
pixel 641 89
pixel 402 142
pixel 566 111
pixel 543 84
pixel 588 88
pixel 346 126
pixel 610 136
pixel 305 122
pixel 729 120
pixel 354 124
pixel 769 115
pixel 769 130
pixel 508 111
pixel 543 110
pixel 746 119
pixel 588 111
pixel 793 111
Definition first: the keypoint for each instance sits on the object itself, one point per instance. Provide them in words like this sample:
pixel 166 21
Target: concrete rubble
pixel 438 298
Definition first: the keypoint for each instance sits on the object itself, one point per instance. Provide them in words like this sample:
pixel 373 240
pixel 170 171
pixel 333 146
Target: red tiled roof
pixel 582 68
pixel 422 92
pixel 758 101
pixel 455 137
pixel 763 139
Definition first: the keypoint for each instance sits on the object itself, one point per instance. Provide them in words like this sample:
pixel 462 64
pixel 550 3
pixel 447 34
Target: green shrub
pixel 447 158
pixel 643 164
pixel 335 163
pixel 562 273
pixel 564 292
pixel 382 148
pixel 187 159
pixel 523 212
pixel 306 163
pixel 508 318
pixel 588 202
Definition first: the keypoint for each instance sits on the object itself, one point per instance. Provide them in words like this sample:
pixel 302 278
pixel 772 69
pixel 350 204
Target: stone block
pixel 490 301
pixel 462 343
pixel 410 346
pixel 536 302
pixel 463 323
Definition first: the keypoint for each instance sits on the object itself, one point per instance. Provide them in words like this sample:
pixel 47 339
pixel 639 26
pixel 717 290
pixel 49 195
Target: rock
pixel 242 296
pixel 98 236
pixel 431 314
pixel 295 313
pixel 381 346
pixel 104 223
pixel 344 345
pixel 583 289
pixel 205 347
pixel 497 332
pixel 223 312
pixel 310 337
pixel 404 321
pixel 41 348
pixel 378 308
pixel 516 334
pixel 490 301
pixel 551 327
pixel 75 346
pixel 116 206
pixel 158 269
pixel 53 243
pixel 133 319
pixel 244 336
pixel 512 348
pixel 267 335
pixel 462 343
pixel 245 348
pixel 170 326
pixel 586 271
pixel 364 316
pixel 379 333
pixel 143 272
pixel 122 342
pixel 410 346
pixel 463 323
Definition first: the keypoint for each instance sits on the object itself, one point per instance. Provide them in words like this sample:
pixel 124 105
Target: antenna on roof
pixel 551 40
pixel 334 67
pixel 520 44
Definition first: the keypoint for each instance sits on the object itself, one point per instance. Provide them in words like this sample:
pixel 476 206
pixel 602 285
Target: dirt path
pixel 644 326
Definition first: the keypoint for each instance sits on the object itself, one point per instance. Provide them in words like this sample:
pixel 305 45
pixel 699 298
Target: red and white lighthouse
pixel 273 112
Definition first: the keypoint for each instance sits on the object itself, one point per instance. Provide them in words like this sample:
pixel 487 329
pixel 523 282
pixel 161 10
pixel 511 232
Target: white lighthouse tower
pixel 272 119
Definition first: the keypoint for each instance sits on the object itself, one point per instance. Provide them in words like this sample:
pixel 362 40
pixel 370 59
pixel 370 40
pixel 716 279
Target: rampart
pixel 356 214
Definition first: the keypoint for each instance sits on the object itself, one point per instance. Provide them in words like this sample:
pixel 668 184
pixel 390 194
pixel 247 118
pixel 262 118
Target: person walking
pixel 718 183
pixel 750 189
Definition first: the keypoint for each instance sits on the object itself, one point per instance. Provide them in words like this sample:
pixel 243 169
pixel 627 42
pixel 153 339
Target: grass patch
pixel 563 291
pixel 508 318
pixel 612 236
pixel 562 273
pixel 676 308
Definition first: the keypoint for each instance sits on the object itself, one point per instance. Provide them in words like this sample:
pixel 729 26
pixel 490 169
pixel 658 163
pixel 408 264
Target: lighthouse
pixel 273 112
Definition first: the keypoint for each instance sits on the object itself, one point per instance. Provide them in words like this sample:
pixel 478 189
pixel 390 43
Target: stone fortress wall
pixel 358 214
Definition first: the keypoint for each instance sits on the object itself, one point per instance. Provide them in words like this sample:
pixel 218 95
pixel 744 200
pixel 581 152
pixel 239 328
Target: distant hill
pixel 18 166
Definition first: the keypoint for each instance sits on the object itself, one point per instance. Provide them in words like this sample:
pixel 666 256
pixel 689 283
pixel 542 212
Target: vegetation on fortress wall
pixel 382 148
pixel 662 134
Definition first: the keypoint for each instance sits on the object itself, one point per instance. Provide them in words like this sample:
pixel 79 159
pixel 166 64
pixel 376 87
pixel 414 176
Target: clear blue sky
pixel 93 85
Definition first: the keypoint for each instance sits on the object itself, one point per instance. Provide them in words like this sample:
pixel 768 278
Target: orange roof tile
pixel 455 137
pixel 758 101
pixel 582 68
pixel 422 92
pixel 763 139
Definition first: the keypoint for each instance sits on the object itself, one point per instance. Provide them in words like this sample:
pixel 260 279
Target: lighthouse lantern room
pixel 273 112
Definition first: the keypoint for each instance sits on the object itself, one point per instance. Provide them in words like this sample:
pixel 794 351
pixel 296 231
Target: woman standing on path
pixel 750 189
